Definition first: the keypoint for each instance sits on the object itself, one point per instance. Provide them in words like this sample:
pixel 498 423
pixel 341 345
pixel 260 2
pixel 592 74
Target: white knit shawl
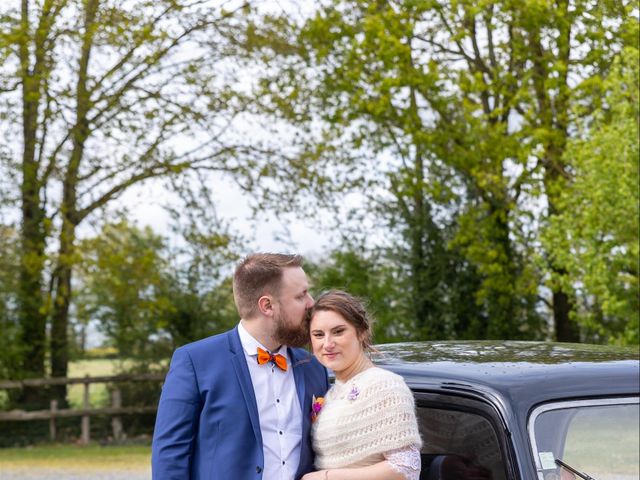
pixel 370 414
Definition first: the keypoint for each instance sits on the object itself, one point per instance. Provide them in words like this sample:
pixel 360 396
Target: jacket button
pixel 258 469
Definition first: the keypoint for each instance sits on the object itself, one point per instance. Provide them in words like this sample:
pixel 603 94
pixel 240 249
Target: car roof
pixel 521 374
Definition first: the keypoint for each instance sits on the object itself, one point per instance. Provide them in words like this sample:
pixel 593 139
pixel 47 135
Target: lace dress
pixel 405 461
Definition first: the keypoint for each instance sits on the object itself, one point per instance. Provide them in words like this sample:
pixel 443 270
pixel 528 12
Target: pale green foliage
pixel 413 109
pixel 455 116
pixel 9 347
pixel 96 97
pixel 121 278
pixel 596 238
pixel 148 298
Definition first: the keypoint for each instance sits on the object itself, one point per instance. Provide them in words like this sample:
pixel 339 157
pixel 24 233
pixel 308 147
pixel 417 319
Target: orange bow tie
pixel 279 360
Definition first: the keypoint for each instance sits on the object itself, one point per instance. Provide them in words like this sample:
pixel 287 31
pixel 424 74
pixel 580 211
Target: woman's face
pixel 335 342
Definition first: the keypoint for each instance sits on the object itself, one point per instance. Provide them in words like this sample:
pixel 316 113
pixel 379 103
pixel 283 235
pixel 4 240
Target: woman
pixel 365 427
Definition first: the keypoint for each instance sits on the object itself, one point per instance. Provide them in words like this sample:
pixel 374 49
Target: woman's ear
pixel 265 304
pixel 362 338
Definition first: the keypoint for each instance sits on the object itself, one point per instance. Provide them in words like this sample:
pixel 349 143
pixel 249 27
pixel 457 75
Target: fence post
pixel 116 422
pixel 86 427
pixel 52 420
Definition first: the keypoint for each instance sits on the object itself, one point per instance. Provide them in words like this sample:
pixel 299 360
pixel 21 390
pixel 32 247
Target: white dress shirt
pixel 278 409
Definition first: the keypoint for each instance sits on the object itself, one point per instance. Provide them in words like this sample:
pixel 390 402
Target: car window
pixel 458 445
pixel 592 437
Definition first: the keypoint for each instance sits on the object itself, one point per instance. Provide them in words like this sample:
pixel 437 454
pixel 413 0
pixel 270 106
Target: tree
pixel 147 298
pixel 122 282
pixel 198 281
pixel 10 349
pixel 371 82
pixel 596 239
pixel 150 294
pixel 465 110
pixel 98 96
pixel 378 283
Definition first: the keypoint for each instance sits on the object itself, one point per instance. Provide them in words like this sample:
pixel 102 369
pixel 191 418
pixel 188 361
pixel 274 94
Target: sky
pixel 271 235
pixel 266 234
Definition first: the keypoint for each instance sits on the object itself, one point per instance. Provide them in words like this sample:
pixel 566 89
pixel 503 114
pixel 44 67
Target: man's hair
pixel 257 275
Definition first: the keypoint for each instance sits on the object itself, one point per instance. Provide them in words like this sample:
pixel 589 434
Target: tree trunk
pixel 420 296
pixel 82 341
pixel 32 313
pixel 566 330
pixel 31 300
pixel 69 211
pixel 553 115
pixel 30 294
pixel 424 281
pixel 502 314
pixel 60 314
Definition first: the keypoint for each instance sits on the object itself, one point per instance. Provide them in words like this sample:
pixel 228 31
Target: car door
pixel 463 439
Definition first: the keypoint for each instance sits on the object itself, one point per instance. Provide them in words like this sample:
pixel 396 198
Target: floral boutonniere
pixel 353 394
pixel 316 405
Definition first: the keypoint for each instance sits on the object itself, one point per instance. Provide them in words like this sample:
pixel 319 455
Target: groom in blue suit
pixel 238 405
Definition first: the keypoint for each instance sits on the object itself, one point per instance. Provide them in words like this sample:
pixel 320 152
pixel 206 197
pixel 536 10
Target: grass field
pixel 134 457
pixel 26 433
pixel 603 440
pixel 98 395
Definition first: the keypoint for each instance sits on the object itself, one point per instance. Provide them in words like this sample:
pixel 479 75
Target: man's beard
pixel 287 333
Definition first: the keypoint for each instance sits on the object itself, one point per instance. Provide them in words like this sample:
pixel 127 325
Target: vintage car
pixel 519 410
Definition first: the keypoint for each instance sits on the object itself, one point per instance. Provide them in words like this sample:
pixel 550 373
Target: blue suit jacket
pixel 207 426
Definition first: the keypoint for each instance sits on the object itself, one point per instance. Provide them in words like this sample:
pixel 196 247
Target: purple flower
pixel 316 405
pixel 353 394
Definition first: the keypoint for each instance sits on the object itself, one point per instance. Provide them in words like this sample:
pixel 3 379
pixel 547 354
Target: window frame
pixel 564 405
pixel 454 401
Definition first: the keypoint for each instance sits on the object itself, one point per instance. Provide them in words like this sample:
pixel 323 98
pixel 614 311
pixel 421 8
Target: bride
pixel 365 427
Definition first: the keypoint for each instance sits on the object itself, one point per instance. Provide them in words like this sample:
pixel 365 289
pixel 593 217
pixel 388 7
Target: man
pixel 238 405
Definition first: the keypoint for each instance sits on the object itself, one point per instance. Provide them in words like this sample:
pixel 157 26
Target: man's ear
pixel 265 304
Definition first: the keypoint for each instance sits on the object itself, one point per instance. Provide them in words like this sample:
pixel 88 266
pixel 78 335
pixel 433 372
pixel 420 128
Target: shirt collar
pixel 250 345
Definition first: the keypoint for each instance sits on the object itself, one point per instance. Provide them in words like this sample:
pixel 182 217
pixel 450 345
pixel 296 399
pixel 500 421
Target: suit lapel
pixel 298 363
pixel 244 379
pixel 298 375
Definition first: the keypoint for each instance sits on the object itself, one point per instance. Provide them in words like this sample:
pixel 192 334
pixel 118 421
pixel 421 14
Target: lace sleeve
pixel 406 461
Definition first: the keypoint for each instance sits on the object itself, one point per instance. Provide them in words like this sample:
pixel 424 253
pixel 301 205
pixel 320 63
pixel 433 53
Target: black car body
pixel 513 408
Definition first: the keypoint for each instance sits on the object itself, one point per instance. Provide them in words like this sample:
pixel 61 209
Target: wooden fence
pixel 86 412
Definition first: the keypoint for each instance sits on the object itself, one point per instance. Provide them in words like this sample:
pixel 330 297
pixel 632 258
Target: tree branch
pixel 154 171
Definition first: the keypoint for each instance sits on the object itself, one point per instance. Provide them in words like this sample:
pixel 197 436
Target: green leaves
pixel 595 238
pixel 146 297
pixel 115 93
pixel 460 113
